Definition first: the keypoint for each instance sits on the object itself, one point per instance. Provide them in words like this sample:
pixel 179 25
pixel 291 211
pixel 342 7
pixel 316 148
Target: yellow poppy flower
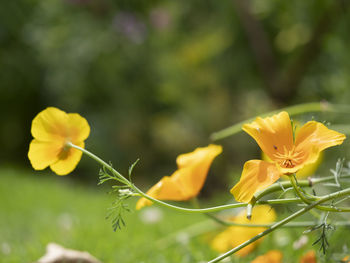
pixel 236 235
pixel 309 257
pixel 273 256
pixel 186 182
pixel 274 135
pixel 52 129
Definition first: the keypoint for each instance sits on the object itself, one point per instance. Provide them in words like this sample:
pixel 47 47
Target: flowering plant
pixel 59 144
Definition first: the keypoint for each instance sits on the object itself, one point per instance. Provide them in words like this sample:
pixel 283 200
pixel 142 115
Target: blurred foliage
pixel 155 78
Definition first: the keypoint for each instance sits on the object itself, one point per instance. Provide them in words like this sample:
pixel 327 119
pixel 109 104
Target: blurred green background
pixel 155 78
pixel 145 72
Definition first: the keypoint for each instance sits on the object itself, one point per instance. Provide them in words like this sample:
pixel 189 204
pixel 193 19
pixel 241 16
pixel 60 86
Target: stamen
pixel 289 158
pixel 288 163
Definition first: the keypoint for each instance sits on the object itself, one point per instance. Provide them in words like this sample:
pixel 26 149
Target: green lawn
pixel 38 208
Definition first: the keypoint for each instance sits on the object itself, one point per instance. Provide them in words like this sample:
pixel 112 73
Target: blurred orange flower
pixel 186 182
pixel 309 257
pixel 52 129
pixel 236 235
pixel 346 259
pixel 273 256
pixel 274 135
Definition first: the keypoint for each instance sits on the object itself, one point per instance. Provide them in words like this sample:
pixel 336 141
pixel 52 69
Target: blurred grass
pixel 38 208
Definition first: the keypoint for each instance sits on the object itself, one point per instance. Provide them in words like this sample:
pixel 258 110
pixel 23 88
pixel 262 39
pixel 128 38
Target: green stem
pixel 100 161
pixel 230 223
pixel 314 181
pixel 278 201
pixel 286 184
pixel 189 210
pixel 129 184
pixel 292 110
pixel 206 226
pixel 310 199
pixel 289 225
pixel 302 211
pixel 307 198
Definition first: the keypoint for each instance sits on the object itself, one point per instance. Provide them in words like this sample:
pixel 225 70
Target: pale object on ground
pixel 5 248
pixel 58 254
pixel 151 215
pixel 301 242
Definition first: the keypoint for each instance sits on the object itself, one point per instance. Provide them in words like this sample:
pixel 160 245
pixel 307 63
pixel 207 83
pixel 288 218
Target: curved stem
pixel 293 110
pixel 203 210
pixel 277 187
pixel 286 184
pixel 129 184
pixel 300 192
pixel 100 161
pixel 183 209
pixel 302 211
pixel 309 199
pixel 189 210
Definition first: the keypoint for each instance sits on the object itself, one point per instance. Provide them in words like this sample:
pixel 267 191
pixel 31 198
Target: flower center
pixel 287 163
pixel 66 145
pixel 65 150
pixel 289 158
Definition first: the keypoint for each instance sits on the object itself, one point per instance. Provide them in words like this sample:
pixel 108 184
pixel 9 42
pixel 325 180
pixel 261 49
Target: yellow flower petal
pixel 165 189
pixel 236 235
pixel 50 124
pixel 186 182
pixel 231 238
pixel 79 128
pixel 194 167
pixel 256 175
pixel 273 256
pixel 310 169
pixel 43 154
pixel 67 161
pixel 261 214
pixel 273 134
pixel 200 154
pixel 313 138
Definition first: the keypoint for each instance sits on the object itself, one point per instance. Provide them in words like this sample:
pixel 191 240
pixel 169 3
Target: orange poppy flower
pixel 274 135
pixel 273 256
pixel 186 182
pixel 236 235
pixel 52 129
pixel 309 257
